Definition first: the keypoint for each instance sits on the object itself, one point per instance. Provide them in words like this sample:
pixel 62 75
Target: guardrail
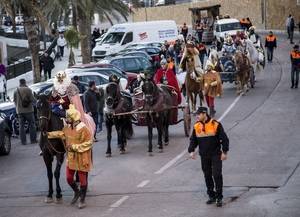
pixel 20 35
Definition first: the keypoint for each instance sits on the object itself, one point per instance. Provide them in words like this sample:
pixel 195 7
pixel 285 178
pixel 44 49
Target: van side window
pixel 128 38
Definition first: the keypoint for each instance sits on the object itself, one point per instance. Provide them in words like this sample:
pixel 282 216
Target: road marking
pixel 174 160
pixel 119 202
pixel 143 183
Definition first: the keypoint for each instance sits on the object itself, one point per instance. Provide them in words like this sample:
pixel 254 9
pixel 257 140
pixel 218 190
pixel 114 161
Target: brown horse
pixel 193 84
pixel 243 67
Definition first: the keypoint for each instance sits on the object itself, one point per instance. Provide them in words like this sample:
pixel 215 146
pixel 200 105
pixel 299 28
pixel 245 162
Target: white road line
pixel 174 160
pixel 143 183
pixel 119 202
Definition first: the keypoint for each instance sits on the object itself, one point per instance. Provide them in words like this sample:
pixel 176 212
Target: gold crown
pixel 72 113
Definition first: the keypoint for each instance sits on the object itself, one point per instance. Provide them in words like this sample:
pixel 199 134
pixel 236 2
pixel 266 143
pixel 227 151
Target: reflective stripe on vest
pixel 271 38
pixel 295 55
pixel 206 130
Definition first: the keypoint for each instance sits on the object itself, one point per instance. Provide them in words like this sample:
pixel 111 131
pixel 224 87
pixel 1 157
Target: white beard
pixel 61 88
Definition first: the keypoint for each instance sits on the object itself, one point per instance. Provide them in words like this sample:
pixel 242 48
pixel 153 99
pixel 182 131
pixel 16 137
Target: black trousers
pixel 295 75
pixel 95 118
pixel 61 50
pixel 47 72
pixel 270 51
pixel 212 169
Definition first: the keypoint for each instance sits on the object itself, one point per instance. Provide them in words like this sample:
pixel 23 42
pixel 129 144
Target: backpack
pixel 24 101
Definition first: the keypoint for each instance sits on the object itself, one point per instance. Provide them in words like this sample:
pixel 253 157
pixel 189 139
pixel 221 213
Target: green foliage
pixel 72 37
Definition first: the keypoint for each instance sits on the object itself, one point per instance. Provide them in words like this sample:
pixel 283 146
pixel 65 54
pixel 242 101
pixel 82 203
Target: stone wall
pixel 276 11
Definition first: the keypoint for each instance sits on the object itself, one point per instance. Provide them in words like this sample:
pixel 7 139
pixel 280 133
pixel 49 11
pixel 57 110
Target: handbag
pixel 25 102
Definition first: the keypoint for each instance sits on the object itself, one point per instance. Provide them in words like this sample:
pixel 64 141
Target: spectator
pixel 3 83
pixel 177 50
pixel 292 28
pixel 202 52
pixel 270 44
pixel 91 97
pixel 23 99
pixel 61 43
pixel 78 84
pixel 96 33
pixel 184 31
pixel 199 30
pixel 287 24
pixel 100 108
pixel 47 64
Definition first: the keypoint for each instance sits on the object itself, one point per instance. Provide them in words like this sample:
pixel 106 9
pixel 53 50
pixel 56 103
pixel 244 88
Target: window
pixel 230 26
pixel 98 79
pixel 131 65
pixel 118 63
pixel 145 63
pixel 128 38
pixel 113 38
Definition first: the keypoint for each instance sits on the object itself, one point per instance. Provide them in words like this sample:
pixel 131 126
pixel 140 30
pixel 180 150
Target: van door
pixel 128 38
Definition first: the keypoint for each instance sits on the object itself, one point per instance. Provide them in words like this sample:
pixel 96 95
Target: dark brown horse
pixel 50 147
pixel 243 67
pixel 193 84
pixel 158 103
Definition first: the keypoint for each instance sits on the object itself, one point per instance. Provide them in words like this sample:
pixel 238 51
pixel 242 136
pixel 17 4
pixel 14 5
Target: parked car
pixel 6 21
pixel 138 53
pixel 19 20
pixel 147 44
pixel 134 64
pixel 5 135
pixel 152 51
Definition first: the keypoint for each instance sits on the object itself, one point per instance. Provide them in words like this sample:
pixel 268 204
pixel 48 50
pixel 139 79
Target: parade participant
pixel 200 30
pixel 270 44
pixel 295 60
pixel 184 31
pixel 254 37
pixel 202 52
pixel 228 47
pixel 64 93
pixel 191 52
pixel 166 76
pixel 212 87
pixel 209 135
pixel 78 142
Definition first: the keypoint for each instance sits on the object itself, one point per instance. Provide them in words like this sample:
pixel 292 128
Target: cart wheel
pixel 187 120
pixel 252 78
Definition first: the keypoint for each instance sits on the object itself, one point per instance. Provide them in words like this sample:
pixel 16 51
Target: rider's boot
pixel 82 203
pixel 76 193
pixel 212 111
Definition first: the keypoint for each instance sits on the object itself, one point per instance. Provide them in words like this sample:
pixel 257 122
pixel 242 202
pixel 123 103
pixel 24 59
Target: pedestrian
pixel 23 99
pixel 202 52
pixel 61 43
pixel 199 30
pixel 287 24
pixel 292 28
pixel 91 97
pixel 177 50
pixel 78 142
pixel 212 87
pixel 184 31
pixel 270 44
pixel 47 64
pixel 79 85
pixel 3 82
pixel 101 104
pixel 209 136
pixel 295 60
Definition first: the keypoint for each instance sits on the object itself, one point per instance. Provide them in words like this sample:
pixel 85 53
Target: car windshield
pixel 230 26
pixel 113 38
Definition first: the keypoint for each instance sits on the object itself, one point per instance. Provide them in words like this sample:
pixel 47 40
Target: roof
pixel 204 8
pixel 161 22
pixel 227 20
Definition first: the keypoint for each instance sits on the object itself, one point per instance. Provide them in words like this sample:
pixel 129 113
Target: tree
pixel 73 39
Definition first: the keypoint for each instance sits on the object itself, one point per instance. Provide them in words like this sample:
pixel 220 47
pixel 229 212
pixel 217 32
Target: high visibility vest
pixel 271 38
pixel 295 55
pixel 206 130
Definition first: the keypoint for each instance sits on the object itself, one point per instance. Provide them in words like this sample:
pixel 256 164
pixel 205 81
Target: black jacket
pixel 47 63
pixel 210 142
pixel 91 99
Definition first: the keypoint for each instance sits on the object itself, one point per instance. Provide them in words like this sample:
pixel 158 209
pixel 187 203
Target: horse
pixel 50 147
pixel 243 68
pixel 116 102
pixel 193 84
pixel 158 105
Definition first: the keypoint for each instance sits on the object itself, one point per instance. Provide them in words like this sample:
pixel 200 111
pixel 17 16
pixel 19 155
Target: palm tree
pixel 31 12
pixel 73 39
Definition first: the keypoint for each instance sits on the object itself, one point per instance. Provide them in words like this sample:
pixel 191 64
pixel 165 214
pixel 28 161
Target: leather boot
pixel 76 193
pixel 81 203
pixel 212 111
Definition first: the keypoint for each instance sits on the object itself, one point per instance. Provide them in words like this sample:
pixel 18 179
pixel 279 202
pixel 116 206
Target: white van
pixel 120 36
pixel 227 26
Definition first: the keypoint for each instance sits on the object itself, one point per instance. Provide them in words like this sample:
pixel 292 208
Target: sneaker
pixel 219 203
pixel 292 86
pixel 211 201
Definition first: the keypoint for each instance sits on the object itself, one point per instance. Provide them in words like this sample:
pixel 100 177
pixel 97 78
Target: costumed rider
pixel 212 87
pixel 166 76
pixel 64 93
pixel 254 37
pixel 78 142
pixel 115 79
pixel 228 46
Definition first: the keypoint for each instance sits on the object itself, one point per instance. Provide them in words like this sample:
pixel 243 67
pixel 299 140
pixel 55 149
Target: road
pixel 261 176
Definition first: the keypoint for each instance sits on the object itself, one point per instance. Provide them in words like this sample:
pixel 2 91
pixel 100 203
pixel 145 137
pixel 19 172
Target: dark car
pixel 139 54
pixel 132 64
pixel 5 135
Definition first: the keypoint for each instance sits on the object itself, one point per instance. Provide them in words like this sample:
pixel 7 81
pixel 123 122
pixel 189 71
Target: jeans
pixel 47 72
pixel 291 36
pixel 61 50
pixel 29 117
pixel 95 118
pixel 100 122
pixel 295 75
pixel 212 170
pixel 270 53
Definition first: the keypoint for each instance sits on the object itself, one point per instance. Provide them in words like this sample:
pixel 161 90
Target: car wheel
pixel 6 146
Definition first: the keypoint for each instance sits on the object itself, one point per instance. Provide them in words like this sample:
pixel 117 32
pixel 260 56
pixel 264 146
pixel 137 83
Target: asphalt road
pixel 261 176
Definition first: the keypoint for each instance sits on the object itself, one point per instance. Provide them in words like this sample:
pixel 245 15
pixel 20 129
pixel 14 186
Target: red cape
pixel 172 81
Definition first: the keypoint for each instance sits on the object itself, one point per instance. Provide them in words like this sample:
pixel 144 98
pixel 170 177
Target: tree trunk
pixel 71 58
pixel 34 46
pixel 84 26
pixel 74 17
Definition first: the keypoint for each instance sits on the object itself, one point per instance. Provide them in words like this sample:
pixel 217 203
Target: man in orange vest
pixel 295 60
pixel 209 135
pixel 270 44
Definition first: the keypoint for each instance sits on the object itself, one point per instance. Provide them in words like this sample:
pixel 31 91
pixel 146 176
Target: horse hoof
pixel 59 200
pixel 122 151
pixel 108 155
pixel 150 154
pixel 160 150
pixel 48 200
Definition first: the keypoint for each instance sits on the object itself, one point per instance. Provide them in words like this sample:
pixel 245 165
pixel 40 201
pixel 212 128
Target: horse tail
pixel 128 128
